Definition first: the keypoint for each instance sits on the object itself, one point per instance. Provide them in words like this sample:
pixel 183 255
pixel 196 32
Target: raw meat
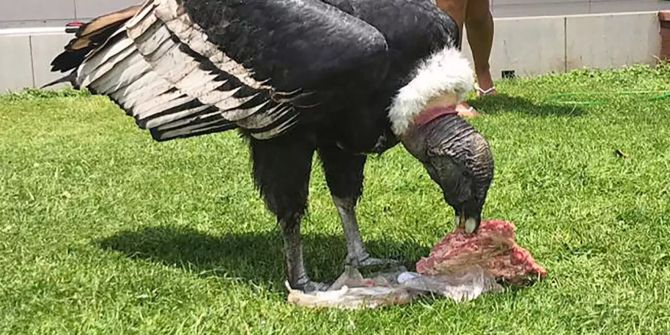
pixel 461 267
pixel 493 248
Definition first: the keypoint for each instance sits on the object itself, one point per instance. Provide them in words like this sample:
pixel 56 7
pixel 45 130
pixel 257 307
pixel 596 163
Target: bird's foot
pixel 309 286
pixel 366 261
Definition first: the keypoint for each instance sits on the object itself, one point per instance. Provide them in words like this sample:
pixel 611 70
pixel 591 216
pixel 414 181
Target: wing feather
pixel 180 79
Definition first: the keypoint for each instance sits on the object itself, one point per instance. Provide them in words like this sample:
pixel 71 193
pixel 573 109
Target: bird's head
pixel 456 156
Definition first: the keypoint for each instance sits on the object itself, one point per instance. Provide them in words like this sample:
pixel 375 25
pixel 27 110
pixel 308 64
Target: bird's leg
pixel 357 255
pixel 295 266
pixel 344 175
pixel 281 169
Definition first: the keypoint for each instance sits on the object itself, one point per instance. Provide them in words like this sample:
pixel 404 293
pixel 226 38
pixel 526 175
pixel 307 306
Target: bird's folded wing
pixel 186 68
pixel 90 36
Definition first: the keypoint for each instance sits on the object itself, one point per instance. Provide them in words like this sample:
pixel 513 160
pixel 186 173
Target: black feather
pixel 70 78
pixel 89 37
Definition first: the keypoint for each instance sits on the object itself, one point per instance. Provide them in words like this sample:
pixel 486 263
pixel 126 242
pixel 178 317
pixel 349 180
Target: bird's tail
pixel 88 37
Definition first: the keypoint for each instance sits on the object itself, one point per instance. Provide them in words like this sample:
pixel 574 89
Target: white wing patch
pixel 176 19
pixel 163 71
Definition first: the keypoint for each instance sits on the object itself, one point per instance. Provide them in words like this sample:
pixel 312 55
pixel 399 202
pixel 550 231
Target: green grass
pixel 104 231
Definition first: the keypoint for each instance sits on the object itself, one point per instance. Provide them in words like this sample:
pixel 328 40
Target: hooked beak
pixel 469 224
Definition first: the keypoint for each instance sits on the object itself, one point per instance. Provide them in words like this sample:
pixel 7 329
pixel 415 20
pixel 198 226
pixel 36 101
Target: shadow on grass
pixel 254 257
pixel 502 103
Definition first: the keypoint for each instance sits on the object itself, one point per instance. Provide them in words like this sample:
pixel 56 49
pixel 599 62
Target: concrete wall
pixel 538 45
pixel 25 57
pixel 528 45
pixel 518 8
pixel 52 13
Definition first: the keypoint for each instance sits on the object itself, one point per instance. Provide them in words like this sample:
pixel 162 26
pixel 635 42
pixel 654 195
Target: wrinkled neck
pixel 432 114
pixel 441 132
pixel 450 137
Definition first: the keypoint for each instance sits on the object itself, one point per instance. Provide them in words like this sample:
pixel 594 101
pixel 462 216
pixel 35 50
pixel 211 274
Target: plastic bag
pixel 460 267
pixel 352 291
pixel 459 287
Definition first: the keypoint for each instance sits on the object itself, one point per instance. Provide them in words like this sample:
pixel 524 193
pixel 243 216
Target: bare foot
pixel 485 84
pixel 484 92
pixel 484 87
pixel 466 111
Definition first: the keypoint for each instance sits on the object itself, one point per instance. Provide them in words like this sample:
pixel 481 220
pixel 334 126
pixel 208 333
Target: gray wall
pixel 45 13
pixel 527 45
pixel 538 45
pixel 41 13
pixel 516 8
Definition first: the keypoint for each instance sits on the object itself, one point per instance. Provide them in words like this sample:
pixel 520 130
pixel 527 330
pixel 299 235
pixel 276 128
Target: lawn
pixel 104 231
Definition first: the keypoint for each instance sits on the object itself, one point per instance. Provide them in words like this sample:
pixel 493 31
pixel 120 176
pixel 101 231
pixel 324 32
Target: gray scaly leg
pixel 357 256
pixel 295 266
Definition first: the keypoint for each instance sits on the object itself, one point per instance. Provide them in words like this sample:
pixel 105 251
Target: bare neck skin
pixel 443 100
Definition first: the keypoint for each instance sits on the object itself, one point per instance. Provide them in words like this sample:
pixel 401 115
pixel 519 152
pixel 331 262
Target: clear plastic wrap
pixel 352 291
pixel 461 267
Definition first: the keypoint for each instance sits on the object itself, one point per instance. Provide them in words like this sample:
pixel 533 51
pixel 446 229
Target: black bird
pixel 344 78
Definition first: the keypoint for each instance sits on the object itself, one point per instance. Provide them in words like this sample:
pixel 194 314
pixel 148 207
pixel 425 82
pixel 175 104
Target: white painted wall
pixel 51 13
pixel 611 40
pixel 25 56
pixel 518 8
pixel 41 13
pixel 16 68
pixel 539 45
pixel 529 46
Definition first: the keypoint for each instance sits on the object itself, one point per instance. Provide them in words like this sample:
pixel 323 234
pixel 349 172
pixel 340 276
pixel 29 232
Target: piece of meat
pixel 492 247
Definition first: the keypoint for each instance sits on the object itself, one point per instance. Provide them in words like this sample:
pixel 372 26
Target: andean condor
pixel 344 78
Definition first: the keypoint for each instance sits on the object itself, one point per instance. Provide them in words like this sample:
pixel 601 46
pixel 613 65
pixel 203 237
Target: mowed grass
pixel 104 231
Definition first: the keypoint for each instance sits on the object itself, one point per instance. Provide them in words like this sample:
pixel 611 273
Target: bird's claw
pixel 310 286
pixel 369 262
